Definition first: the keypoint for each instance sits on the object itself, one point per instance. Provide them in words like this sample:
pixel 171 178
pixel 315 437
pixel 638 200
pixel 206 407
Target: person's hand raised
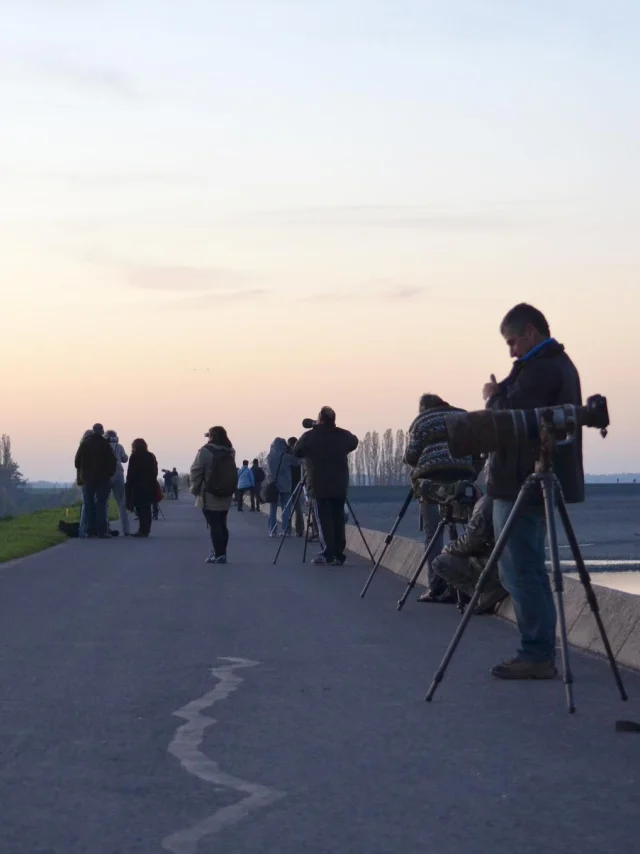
pixel 490 388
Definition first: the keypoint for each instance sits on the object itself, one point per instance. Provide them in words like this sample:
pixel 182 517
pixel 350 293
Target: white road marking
pixel 186 747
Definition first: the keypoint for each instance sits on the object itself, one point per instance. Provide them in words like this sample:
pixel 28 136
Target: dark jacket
pixel 258 474
pixel 548 378
pixel 428 452
pixel 95 461
pixel 478 537
pixel 142 479
pixel 325 449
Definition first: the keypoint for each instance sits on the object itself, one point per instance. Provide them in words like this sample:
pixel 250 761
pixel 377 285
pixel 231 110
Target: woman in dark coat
pixel 142 480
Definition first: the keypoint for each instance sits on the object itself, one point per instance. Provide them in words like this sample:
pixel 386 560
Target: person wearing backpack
pixel 214 480
pixel 245 483
pixel 258 479
pixel 280 462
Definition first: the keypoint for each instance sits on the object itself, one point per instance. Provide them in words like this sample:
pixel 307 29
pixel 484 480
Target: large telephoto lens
pixel 476 433
pixel 485 431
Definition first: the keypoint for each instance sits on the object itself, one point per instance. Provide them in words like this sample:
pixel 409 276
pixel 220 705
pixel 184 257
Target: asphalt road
pixel 150 702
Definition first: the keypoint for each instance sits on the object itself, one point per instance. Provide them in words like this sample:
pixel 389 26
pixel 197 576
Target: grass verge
pixel 25 535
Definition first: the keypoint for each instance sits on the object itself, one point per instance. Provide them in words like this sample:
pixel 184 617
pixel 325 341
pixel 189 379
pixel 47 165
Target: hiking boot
pixel 516 668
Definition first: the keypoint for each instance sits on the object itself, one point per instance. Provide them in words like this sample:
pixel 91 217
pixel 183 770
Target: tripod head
pixel 455 500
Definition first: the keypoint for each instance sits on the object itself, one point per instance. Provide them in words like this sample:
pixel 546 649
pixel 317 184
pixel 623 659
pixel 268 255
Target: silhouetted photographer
pixel 325 449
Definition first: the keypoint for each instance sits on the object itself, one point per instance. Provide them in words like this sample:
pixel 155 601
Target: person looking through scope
pixel 542 375
pixel 325 449
pixel 427 451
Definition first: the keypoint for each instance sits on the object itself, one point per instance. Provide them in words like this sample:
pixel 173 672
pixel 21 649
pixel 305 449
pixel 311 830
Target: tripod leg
pixel 482 580
pixel 425 557
pixel 357 524
pixel 387 542
pixel 306 534
pixel 588 588
pixel 548 488
pixel 293 501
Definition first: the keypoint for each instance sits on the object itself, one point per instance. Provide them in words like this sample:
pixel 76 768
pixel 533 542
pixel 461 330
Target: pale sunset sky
pixel 310 202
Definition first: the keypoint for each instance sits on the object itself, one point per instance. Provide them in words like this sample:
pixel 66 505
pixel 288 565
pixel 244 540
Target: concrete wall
pixel 620 612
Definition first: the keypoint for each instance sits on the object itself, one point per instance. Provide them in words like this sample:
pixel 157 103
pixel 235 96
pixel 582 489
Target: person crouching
pixel 462 561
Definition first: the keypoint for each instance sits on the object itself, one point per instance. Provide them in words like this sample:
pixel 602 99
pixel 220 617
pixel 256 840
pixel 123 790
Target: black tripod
pixel 387 541
pixel 546 481
pixel 446 518
pixel 293 502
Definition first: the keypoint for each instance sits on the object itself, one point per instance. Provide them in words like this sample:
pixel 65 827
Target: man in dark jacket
pixel 428 452
pixel 462 560
pixel 325 449
pixel 542 375
pixel 258 479
pixel 96 464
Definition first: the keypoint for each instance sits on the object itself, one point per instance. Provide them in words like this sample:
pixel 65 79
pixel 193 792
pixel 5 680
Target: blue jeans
pixel 524 575
pixel 95 497
pixel 283 497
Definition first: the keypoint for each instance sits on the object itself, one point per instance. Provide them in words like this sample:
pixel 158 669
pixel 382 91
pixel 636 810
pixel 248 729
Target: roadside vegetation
pixel 33 532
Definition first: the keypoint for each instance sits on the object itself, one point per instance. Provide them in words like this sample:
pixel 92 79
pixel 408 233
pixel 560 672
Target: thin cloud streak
pixel 152 277
pixel 401 292
pixel 84 75
pixel 512 214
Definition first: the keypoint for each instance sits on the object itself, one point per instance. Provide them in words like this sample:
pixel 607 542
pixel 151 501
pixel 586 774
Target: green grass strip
pixel 25 535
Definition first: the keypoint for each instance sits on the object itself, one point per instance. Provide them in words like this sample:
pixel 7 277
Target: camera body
pixel 457 499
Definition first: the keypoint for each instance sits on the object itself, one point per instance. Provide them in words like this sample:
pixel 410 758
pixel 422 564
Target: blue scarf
pixel 535 350
pixel 504 385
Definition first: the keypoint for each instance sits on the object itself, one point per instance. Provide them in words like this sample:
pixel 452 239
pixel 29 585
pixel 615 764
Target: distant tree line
pixel 15 496
pixel 379 460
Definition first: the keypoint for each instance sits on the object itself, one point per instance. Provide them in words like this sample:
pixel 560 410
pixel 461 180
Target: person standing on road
pixel 175 483
pixel 96 465
pixel 141 484
pixel 280 462
pixel 325 449
pixel 258 480
pixel 214 479
pixel 117 481
pixel 246 483
pixel 542 375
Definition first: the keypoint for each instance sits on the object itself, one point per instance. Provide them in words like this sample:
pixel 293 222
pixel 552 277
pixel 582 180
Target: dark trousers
pixel 256 501
pixel 217 521
pixel 240 496
pixel 96 497
pixel 330 514
pixel 299 518
pixel 143 512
